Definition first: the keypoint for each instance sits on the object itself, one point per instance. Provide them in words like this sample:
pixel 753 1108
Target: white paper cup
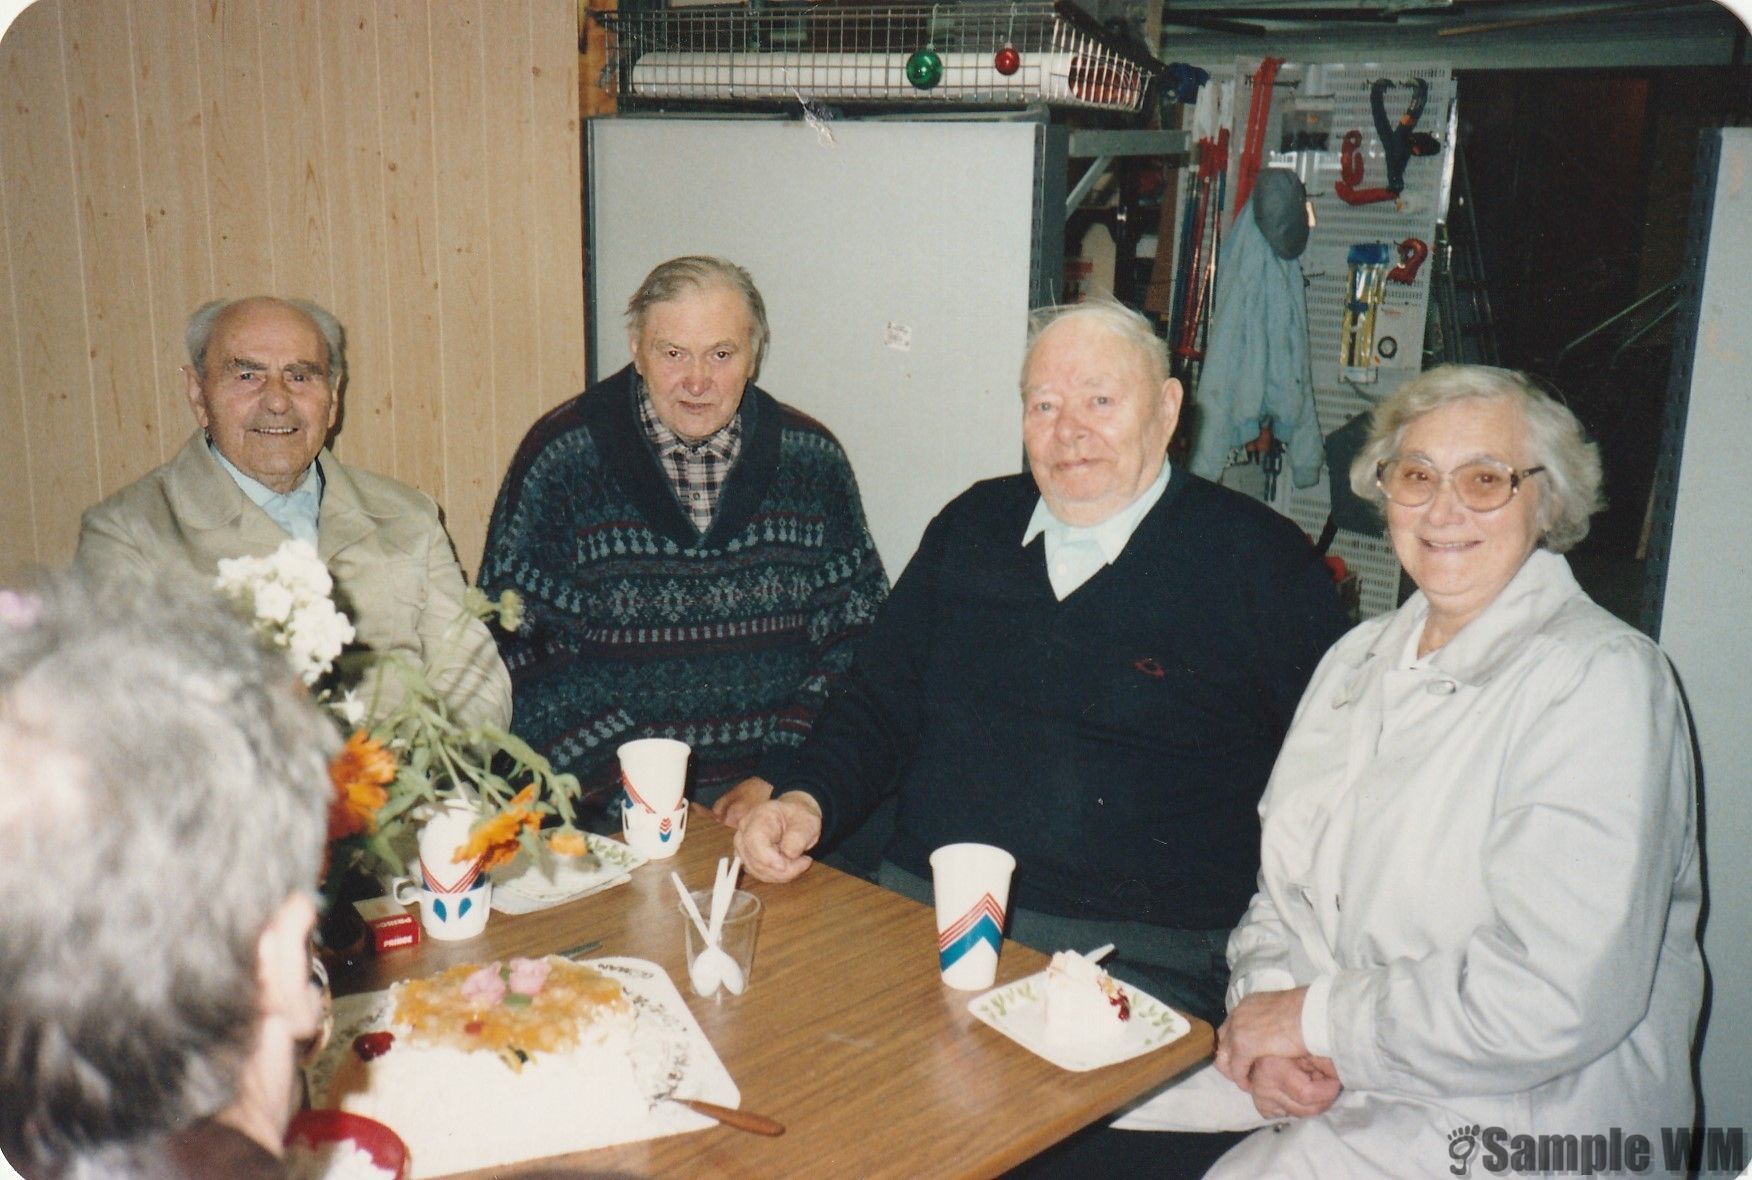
pixel 445 831
pixel 655 837
pixel 653 773
pixel 971 885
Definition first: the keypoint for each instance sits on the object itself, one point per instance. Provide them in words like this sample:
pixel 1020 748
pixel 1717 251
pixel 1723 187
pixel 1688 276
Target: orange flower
pixel 359 774
pixel 494 842
pixel 568 843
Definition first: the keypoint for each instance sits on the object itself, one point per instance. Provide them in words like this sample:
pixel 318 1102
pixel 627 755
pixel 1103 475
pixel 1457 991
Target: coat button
pixel 1443 688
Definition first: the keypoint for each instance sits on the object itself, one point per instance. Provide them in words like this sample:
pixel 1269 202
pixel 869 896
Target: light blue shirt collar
pixel 1074 553
pixel 295 511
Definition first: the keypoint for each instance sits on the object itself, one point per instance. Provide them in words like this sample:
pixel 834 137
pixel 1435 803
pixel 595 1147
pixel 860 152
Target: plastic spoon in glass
pixel 715 964
pixel 724 893
pixel 704 972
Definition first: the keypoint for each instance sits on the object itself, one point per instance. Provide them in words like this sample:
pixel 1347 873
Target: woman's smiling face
pixel 1459 558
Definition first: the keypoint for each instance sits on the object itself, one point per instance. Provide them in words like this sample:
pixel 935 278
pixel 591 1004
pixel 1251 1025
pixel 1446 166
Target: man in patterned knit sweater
pixel 692 553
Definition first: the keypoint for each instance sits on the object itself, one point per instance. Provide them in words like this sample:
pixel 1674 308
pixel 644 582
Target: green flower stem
pixel 439 759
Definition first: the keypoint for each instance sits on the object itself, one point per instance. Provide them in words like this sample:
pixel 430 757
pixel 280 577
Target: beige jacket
pixel 395 572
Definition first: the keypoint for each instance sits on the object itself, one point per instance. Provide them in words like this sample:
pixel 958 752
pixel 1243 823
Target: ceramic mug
pixel 448 915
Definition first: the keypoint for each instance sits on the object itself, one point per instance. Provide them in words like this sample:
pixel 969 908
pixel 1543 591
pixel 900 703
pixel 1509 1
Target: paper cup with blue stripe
pixel 971 885
pixel 653 811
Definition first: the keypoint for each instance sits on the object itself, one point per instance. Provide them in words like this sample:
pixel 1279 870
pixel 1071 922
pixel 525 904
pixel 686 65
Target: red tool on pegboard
pixel 1412 252
pixel 1399 141
pixel 1201 262
pixel 1253 147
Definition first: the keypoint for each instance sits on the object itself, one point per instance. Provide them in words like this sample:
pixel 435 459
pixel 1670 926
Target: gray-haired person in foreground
pixel 163 796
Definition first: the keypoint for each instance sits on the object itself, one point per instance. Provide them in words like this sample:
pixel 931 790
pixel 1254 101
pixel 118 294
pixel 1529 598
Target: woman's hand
pixel 1295 1088
pixel 1265 1024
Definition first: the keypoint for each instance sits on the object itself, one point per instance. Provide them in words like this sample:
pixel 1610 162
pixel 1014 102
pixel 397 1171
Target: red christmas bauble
pixel 1007 61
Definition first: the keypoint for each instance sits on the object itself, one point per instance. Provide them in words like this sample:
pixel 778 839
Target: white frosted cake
pixel 1082 1003
pixel 487 1065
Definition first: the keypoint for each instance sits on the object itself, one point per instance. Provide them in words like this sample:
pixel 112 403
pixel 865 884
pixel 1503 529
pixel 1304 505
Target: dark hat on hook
pixel 1280 207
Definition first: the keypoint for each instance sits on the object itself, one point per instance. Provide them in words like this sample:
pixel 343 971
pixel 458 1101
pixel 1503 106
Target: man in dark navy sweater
pixel 1091 666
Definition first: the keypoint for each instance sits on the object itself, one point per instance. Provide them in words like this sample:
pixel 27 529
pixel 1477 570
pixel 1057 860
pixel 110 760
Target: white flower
pixel 315 636
pixel 235 575
pixel 287 594
pixel 296 563
pixel 510 610
pixel 273 602
pixel 349 708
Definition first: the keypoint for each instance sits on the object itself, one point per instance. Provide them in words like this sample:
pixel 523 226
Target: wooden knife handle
pixel 742 1120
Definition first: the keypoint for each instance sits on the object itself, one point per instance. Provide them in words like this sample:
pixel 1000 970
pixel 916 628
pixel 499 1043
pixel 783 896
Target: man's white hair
pixel 199 332
pixel 1115 317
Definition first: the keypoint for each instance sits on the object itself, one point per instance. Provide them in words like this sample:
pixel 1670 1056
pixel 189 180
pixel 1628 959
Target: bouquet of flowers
pixel 404 749
pixel 287 596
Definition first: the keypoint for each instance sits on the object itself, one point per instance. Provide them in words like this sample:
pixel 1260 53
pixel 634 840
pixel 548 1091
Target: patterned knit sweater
pixel 638 626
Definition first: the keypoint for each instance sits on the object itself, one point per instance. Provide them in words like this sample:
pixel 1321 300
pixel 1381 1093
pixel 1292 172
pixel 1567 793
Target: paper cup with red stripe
pixel 653 773
pixel 971 885
pixel 653 812
pixel 654 837
pixel 442 835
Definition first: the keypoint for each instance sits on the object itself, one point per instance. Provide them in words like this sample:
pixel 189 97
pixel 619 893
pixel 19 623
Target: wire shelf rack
pixel 967 54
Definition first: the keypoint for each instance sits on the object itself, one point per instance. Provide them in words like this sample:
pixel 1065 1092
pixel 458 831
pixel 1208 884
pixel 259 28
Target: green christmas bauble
pixel 924 69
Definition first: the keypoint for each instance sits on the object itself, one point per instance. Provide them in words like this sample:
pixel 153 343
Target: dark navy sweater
pixel 1116 742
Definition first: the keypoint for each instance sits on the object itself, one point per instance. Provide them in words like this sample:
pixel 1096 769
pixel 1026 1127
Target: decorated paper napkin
pixel 528 885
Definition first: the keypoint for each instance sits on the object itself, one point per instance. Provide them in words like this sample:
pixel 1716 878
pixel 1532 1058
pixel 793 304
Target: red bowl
pixel 313 1128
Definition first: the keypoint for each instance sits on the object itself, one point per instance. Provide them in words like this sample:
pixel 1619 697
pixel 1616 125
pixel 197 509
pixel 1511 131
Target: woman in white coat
pixel 1477 917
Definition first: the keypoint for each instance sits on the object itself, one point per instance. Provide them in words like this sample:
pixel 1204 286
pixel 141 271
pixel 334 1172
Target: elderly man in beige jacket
pixel 264 380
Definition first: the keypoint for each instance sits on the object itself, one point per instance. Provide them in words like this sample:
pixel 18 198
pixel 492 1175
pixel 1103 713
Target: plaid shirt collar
pixel 724 444
pixel 697 472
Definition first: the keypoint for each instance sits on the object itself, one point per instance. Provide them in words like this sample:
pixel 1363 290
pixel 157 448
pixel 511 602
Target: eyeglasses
pixel 1482 486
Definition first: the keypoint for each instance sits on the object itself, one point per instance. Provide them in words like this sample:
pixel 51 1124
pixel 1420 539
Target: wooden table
pixel 846 1033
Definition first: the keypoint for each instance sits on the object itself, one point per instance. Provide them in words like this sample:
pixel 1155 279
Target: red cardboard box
pixel 390 925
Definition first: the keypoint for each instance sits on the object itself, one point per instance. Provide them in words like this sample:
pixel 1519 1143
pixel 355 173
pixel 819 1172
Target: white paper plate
pixel 1019 1012
pixel 525 886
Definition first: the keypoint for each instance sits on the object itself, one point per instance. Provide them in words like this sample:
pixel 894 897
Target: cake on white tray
pixel 1082 1003
pixel 488 1064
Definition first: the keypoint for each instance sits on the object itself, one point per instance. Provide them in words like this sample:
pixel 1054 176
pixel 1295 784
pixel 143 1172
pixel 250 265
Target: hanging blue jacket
pixel 1256 359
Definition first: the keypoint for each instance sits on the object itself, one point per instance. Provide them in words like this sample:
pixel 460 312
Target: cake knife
pixel 730 1116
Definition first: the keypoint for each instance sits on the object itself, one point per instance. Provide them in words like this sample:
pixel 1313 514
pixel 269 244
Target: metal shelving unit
pixel 974 55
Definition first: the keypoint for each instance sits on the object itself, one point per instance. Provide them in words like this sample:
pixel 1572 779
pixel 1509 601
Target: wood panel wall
pixel 413 165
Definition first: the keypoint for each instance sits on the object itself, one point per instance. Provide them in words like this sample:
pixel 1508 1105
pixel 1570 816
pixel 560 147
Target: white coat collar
pixel 1539 589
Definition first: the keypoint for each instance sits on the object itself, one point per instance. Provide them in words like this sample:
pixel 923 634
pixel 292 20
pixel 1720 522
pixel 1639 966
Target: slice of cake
pixel 486 1065
pixel 1083 1004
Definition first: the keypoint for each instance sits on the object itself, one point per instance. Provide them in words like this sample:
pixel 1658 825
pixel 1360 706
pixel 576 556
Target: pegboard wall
pixel 1312 107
